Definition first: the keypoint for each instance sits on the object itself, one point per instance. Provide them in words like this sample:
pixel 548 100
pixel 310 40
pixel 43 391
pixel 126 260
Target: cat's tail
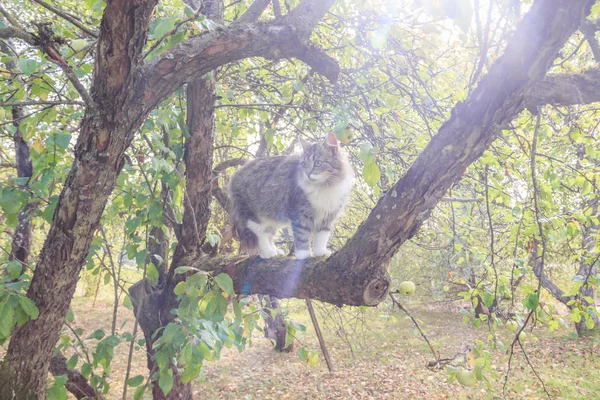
pixel 239 220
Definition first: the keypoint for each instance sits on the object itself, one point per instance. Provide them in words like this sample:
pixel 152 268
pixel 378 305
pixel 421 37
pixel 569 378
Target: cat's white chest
pixel 328 200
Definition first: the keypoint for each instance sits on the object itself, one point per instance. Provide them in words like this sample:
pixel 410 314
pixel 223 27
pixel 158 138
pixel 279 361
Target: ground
pixel 388 360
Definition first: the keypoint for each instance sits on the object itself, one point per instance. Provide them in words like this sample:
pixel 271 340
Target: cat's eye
pixel 318 163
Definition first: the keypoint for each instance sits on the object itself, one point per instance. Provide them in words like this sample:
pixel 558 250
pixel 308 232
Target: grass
pixel 387 360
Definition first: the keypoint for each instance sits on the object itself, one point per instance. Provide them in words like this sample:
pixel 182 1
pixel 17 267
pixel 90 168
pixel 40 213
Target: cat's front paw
pixel 322 253
pixel 268 253
pixel 302 254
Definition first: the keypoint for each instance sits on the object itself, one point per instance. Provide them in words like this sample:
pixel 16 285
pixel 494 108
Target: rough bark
pixel 198 157
pixel 98 160
pixel 76 383
pixel 275 327
pixel 22 236
pixel 565 89
pixel 20 246
pixel 588 269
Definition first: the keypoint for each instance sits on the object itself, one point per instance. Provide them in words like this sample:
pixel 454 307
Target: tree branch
pixel 13 32
pixel 123 35
pixel 565 89
pixel 198 153
pixel 255 10
pixel 67 17
pixel 196 56
pixel 76 383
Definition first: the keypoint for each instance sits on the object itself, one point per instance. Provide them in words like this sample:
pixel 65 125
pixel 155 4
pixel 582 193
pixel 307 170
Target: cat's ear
pixel 305 145
pixel 332 143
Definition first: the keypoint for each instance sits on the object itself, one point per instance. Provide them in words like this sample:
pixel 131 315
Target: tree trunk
pixel 588 269
pixel 198 158
pixel 275 327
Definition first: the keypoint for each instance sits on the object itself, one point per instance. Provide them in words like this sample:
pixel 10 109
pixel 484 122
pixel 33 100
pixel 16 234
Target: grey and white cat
pixel 308 191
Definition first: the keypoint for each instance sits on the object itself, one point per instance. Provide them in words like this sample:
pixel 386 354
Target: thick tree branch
pixel 196 56
pixel 307 15
pixel 123 35
pixel 255 10
pixel 356 274
pixel 565 89
pixel 12 32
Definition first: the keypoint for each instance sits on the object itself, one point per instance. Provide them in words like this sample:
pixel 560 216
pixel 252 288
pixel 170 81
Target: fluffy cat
pixel 309 192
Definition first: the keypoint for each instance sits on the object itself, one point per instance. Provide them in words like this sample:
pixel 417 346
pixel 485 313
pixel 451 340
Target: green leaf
pixel 29 307
pixel 14 269
pixel 371 174
pixel 7 321
pixel 86 370
pixel 10 201
pixel 367 153
pixel 135 381
pixel 22 317
pixel 302 353
pixel 179 289
pixel 98 334
pixel 183 270
pixel 531 301
pixel 169 332
pixel 127 303
pixel 225 283
pixel 70 316
pixel 165 382
pixel 163 26
pixel 27 66
pixel 72 363
pixel 58 391
pixel 589 323
pixel 191 372
pixel 313 358
pixel 237 310
pixel 62 140
pixel 152 274
pixel 139 393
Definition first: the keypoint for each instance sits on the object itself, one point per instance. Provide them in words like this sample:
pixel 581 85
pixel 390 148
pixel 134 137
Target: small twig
pixel 400 306
pixel 313 318
pixel 60 61
pixel 40 102
pixel 13 21
pixel 534 371
pixel 461 200
pixel 171 32
pixel 67 17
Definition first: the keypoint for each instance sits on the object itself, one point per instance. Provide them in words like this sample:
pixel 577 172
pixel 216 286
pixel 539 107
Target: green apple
pixel 466 377
pixel 512 325
pixel 522 336
pixel 407 288
pixel 345 136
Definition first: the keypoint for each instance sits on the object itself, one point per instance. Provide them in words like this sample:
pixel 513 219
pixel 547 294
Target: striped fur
pixel 307 192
